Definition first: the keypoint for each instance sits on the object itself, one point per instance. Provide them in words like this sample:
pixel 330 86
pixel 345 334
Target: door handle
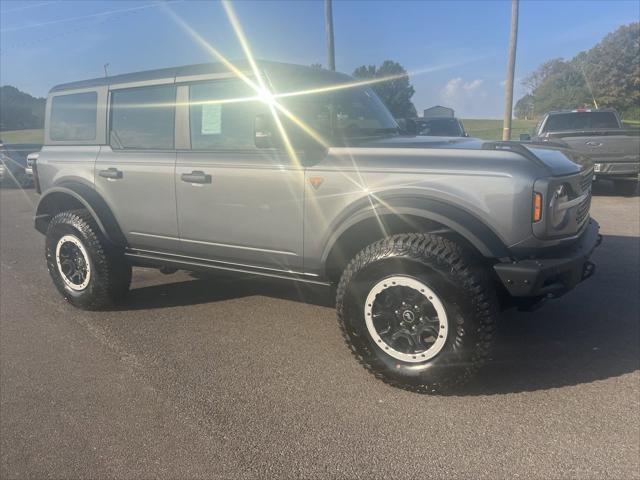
pixel 196 176
pixel 112 173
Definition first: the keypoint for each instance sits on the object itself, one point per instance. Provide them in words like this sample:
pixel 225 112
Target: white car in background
pixel 28 169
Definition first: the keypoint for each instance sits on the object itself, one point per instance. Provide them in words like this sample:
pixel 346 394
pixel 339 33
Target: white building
pixel 438 111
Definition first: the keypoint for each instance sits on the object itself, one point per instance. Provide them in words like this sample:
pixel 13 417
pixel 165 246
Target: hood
pixel 557 160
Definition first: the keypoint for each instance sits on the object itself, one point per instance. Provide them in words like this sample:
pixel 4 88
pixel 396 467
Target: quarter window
pixel 143 118
pixel 222 115
pixel 73 117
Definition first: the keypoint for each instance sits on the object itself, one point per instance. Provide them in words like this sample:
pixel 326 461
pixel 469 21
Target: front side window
pixel 73 117
pixel 143 118
pixel 343 115
pixel 222 115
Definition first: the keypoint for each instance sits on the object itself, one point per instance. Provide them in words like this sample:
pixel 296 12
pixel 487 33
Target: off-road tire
pixel 456 276
pixel 110 273
pixel 625 187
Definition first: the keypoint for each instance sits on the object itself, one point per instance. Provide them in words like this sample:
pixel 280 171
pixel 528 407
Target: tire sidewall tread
pixel 110 274
pixel 462 283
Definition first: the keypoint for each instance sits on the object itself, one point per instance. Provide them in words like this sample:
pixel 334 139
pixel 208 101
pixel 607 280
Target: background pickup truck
pixel 599 134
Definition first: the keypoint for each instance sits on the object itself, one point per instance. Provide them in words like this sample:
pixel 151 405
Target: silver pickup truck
pixel 599 134
pixel 299 173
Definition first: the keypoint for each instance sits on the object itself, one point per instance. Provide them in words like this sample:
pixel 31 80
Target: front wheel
pixel 626 187
pixel 418 311
pixel 85 268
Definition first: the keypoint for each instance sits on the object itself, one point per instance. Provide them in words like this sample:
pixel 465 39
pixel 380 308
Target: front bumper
pixel 555 274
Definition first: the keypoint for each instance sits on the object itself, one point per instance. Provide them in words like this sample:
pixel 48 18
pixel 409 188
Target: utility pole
pixel 511 68
pixel 328 25
pixel 106 74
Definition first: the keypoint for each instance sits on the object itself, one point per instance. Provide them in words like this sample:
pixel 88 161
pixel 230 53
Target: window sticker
pixel 211 120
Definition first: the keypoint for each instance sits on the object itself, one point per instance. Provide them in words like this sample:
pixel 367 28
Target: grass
pixel 22 136
pixel 492 129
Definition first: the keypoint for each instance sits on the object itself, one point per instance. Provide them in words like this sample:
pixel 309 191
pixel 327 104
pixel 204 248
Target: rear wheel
pixel 89 272
pixel 626 187
pixel 418 311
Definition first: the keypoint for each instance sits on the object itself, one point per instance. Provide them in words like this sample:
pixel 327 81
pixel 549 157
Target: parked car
pixel 13 158
pixel 28 169
pixel 432 127
pixel 440 127
pixel 601 135
pixel 187 168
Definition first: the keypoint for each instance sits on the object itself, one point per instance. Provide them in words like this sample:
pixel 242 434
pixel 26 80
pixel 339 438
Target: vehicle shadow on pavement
pixel 589 334
pixel 202 289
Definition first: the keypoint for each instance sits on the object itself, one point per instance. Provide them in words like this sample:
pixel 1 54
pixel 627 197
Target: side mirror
pixel 465 134
pixel 265 135
pixel 525 137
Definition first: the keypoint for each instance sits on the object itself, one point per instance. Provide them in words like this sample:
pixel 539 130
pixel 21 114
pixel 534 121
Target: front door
pixel 237 204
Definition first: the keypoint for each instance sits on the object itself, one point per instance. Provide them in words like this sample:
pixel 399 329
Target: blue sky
pixel 463 43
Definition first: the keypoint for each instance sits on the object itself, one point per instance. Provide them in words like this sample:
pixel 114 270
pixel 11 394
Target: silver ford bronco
pixel 299 173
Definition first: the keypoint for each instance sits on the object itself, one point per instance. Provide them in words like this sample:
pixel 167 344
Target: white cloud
pixel 457 89
pixel 466 97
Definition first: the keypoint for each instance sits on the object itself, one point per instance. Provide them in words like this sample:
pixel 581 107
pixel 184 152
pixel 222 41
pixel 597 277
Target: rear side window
pixel 143 118
pixel 222 115
pixel 73 117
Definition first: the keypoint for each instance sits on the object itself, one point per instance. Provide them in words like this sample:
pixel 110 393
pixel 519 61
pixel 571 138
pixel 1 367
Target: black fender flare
pixel 91 200
pixel 460 221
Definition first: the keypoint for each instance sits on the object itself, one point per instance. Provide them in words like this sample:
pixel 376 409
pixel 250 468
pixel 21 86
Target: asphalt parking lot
pixel 238 378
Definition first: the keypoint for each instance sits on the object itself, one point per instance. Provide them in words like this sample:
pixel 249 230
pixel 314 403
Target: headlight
pixel 559 215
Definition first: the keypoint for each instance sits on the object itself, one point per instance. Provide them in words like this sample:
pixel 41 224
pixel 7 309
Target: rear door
pixel 237 204
pixel 135 172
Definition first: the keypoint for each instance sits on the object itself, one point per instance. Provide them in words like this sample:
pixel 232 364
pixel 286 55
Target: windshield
pixel 581 121
pixel 343 115
pixel 440 127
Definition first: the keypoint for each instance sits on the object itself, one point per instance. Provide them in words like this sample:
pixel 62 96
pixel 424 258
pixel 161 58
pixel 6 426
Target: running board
pixel 145 258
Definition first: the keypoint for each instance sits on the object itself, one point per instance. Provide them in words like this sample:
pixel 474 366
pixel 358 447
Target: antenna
pixel 586 80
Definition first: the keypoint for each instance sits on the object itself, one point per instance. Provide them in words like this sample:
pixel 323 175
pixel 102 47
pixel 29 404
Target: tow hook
pixel 588 270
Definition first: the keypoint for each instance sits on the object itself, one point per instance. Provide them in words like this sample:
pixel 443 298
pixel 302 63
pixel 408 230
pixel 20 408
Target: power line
pixel 30 41
pixel 31 5
pixel 83 17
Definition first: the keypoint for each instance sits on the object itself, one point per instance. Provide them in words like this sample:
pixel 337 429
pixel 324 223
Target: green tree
pixel 524 107
pixel 608 74
pixel 19 110
pixel 395 92
pixel 612 68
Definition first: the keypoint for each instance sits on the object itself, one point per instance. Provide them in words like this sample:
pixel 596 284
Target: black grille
pixel 585 181
pixel 582 213
pixel 583 210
